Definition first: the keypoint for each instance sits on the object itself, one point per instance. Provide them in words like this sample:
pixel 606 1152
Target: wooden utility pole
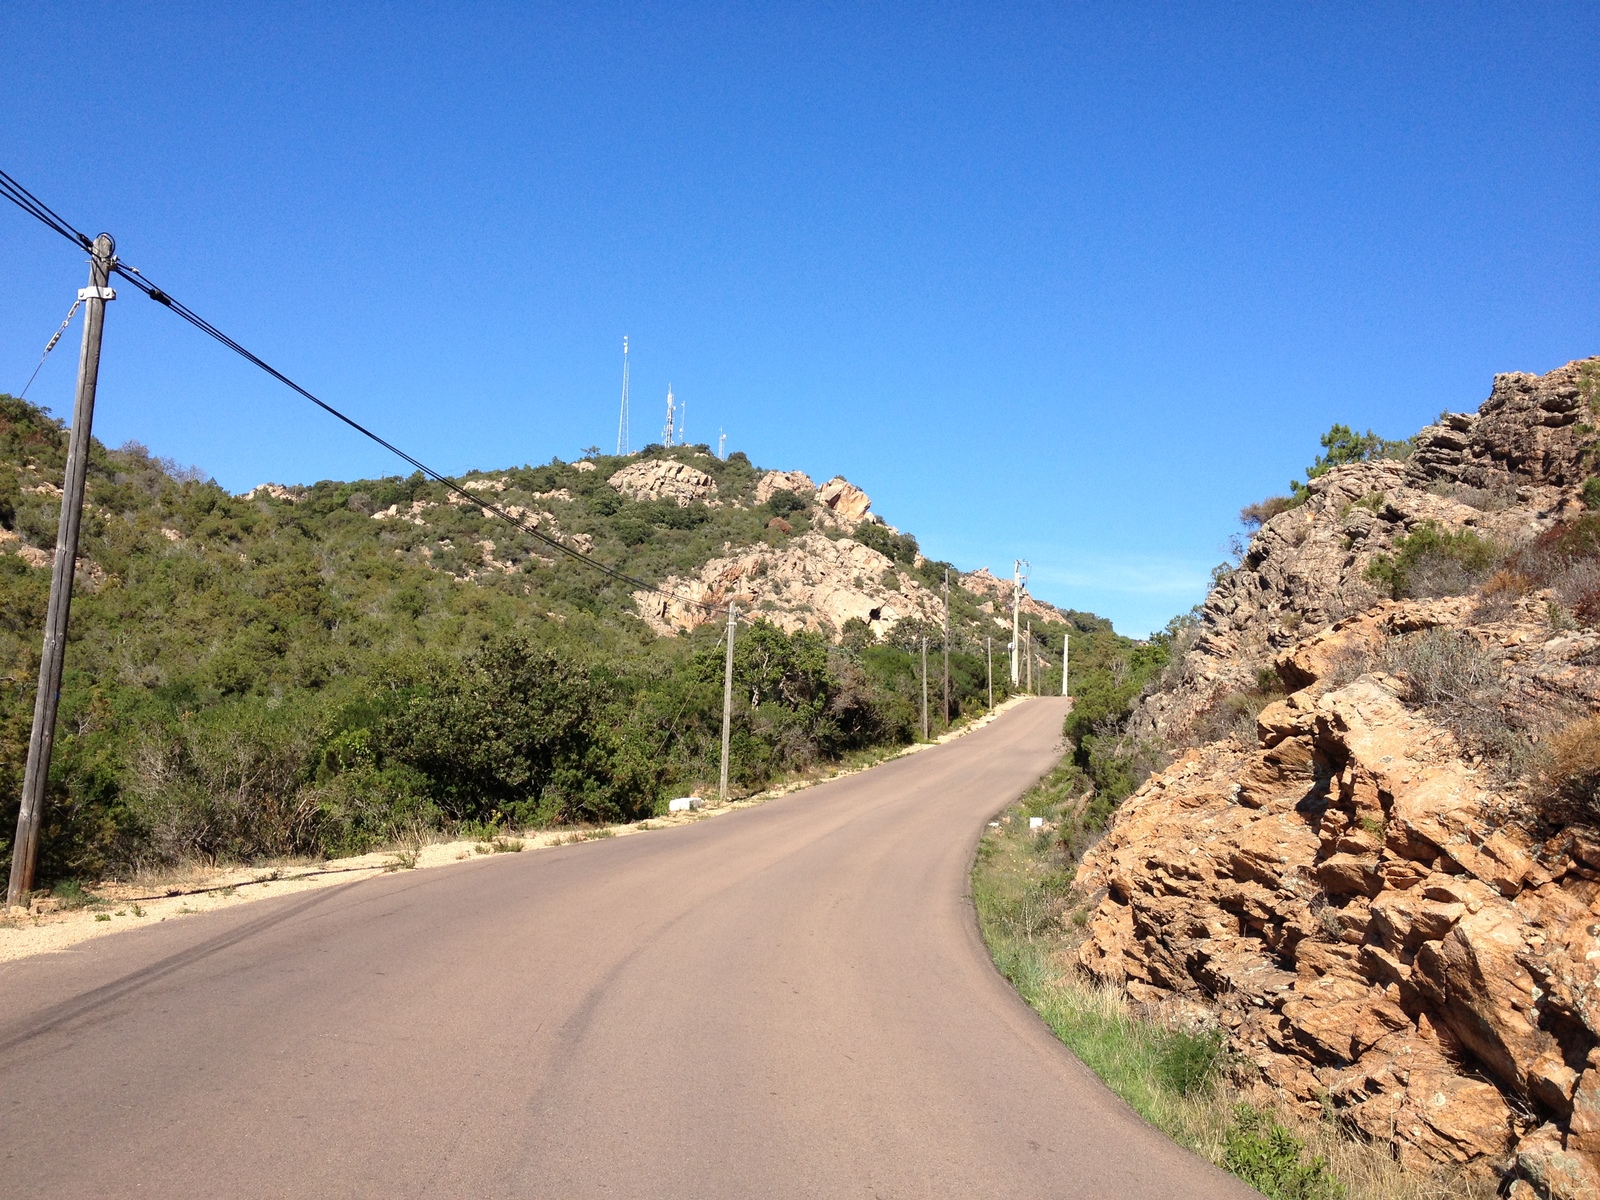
pixel 1016 607
pixel 25 850
pixel 924 688
pixel 1030 655
pixel 727 701
pixel 947 647
pixel 988 654
pixel 1066 657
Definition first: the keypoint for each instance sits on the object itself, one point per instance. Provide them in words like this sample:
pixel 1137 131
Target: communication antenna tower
pixel 683 416
pixel 666 436
pixel 722 444
pixel 622 422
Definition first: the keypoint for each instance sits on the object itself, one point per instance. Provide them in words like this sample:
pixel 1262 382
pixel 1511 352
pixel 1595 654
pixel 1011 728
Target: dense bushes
pixel 507 735
pixel 1109 673
pixel 1565 558
pixel 1434 562
pixel 782 502
pixel 898 547
pixel 263 677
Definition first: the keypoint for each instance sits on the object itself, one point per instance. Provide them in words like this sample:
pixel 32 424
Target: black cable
pixel 30 204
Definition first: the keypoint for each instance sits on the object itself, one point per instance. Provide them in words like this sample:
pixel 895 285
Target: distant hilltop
pixel 799 555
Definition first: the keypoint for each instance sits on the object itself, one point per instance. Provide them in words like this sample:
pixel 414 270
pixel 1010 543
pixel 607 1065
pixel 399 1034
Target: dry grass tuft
pixel 1569 773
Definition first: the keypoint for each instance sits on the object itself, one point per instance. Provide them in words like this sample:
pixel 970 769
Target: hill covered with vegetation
pixel 317 670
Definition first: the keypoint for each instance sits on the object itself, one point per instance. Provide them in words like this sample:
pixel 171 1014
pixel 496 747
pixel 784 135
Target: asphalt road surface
pixel 791 1000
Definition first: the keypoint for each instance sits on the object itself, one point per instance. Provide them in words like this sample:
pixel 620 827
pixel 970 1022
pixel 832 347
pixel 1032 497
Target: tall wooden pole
pixel 1030 655
pixel 1066 657
pixel 924 688
pixel 36 777
pixel 988 654
pixel 1016 606
pixel 947 647
pixel 727 702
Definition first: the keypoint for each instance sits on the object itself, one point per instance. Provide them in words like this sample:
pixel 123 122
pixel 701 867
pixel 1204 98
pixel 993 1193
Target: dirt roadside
pixel 119 906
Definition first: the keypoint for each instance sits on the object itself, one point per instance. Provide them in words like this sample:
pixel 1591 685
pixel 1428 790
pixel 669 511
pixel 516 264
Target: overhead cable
pixel 25 200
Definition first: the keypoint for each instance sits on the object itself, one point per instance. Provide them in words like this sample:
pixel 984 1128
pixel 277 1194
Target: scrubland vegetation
pixel 290 676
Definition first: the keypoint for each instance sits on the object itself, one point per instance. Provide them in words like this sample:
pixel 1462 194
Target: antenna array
pixel 622 421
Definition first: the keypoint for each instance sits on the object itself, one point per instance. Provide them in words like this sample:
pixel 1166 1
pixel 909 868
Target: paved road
pixel 787 1001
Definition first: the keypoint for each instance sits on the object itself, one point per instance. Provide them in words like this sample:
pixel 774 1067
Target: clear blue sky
pixel 1068 282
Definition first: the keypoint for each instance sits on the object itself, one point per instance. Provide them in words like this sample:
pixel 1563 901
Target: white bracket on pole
pixel 97 293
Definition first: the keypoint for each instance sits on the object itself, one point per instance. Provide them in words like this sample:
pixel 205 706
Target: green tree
pixel 1341 445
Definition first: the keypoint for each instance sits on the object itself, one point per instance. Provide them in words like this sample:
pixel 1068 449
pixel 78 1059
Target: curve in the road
pixel 788 1001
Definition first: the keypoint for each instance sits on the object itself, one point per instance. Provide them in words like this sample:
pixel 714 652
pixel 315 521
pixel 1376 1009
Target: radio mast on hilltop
pixel 622 421
pixel 666 436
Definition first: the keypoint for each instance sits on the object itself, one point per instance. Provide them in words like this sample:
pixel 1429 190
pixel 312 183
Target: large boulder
pixel 797 482
pixel 845 505
pixel 664 479
pixel 811 582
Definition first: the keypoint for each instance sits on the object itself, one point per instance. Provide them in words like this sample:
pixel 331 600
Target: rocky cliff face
pixel 665 479
pixel 1361 893
pixel 1506 472
pixel 813 582
pixel 817 582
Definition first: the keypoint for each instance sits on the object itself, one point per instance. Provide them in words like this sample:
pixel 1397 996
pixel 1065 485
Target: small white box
pixel 1035 822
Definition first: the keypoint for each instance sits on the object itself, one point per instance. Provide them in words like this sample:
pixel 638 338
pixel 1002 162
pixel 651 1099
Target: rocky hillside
pixel 1377 865
pixel 315 669
pixel 1507 472
pixel 800 556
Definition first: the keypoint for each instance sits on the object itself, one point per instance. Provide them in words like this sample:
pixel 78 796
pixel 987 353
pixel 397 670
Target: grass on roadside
pixel 1182 1080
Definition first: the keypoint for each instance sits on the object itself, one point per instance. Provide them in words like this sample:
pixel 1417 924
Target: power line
pixel 38 209
pixel 30 204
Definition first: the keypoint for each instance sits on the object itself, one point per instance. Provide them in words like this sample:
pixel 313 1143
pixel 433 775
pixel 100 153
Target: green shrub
pixel 1189 1061
pixel 1342 445
pixel 71 894
pixel 1434 562
pixel 508 730
pixel 1272 1160
pixel 783 502
pixel 1591 492
pixel 897 547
